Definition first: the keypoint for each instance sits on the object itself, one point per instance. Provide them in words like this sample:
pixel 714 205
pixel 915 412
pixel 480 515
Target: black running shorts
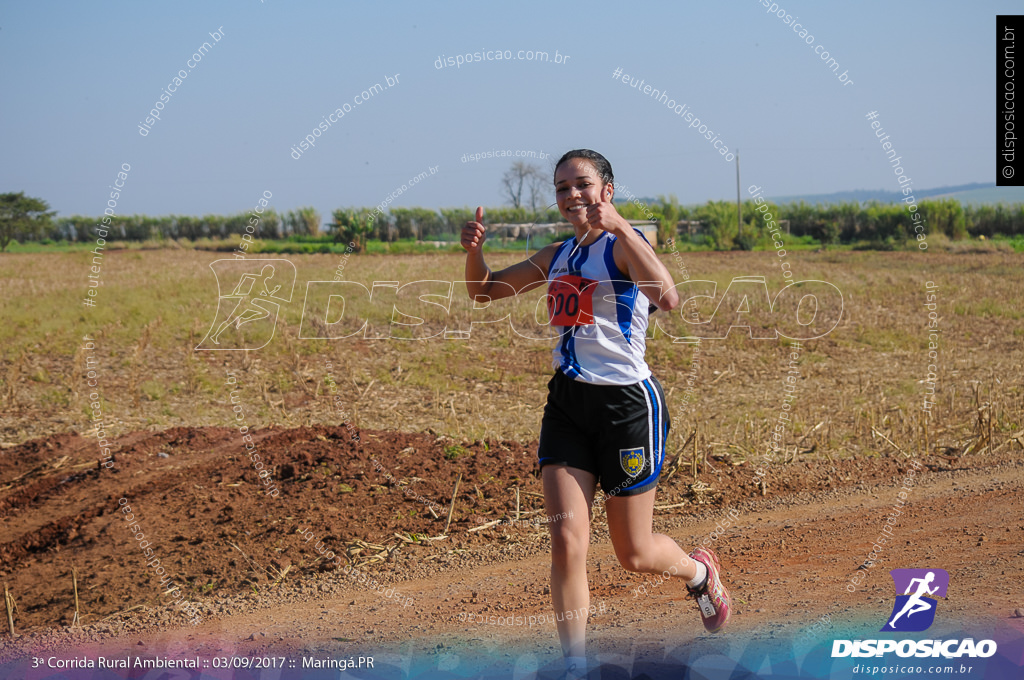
pixel 616 432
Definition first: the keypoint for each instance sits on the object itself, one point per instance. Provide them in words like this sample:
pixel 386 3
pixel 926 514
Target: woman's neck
pixel 585 234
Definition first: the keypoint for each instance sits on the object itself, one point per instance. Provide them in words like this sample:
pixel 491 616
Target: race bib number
pixel 571 301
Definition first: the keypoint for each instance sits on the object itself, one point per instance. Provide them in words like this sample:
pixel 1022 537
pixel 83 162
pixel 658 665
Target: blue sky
pixel 79 77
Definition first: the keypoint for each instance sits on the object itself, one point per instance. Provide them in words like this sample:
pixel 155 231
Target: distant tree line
pixel 878 224
pixel 272 225
pixel 349 224
pixel 27 219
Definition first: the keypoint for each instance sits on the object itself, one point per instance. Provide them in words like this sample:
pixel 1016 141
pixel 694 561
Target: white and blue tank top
pixel 600 314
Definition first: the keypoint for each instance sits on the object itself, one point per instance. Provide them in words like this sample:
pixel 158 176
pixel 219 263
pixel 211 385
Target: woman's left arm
pixel 634 255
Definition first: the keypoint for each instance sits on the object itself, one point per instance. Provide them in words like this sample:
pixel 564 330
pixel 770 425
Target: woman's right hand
pixel 473 234
pixel 483 284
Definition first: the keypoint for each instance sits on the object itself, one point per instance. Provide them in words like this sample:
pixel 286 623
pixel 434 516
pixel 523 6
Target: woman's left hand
pixel 604 216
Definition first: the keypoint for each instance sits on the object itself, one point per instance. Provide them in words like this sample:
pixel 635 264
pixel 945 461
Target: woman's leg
pixel 568 494
pixel 630 525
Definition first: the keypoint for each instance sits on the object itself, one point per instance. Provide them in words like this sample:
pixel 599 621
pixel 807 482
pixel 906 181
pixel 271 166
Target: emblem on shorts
pixel 632 460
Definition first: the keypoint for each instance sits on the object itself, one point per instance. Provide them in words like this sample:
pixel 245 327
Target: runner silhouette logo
pixel 914 610
pixel 249 298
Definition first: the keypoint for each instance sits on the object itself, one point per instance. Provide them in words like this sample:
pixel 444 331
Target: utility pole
pixel 739 206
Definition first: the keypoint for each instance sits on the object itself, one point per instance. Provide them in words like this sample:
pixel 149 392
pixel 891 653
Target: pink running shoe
pixel 712 597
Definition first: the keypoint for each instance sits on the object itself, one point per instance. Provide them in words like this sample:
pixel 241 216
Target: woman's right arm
pixel 483 284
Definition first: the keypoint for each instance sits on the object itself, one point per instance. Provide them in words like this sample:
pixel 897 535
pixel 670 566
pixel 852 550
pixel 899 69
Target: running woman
pixel 605 419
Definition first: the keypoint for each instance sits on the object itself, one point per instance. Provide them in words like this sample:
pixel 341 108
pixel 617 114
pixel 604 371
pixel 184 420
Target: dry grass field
pixel 860 388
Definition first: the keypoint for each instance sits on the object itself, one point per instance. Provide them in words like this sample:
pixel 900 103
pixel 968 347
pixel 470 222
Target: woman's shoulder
pixel 547 254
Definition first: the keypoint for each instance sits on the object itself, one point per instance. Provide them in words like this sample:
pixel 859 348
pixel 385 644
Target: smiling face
pixel 577 185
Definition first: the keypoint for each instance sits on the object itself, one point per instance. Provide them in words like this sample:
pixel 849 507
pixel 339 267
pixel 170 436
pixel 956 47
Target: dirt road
pixel 791 555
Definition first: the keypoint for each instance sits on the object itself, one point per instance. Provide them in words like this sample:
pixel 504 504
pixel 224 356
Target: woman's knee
pixel 569 545
pixel 634 560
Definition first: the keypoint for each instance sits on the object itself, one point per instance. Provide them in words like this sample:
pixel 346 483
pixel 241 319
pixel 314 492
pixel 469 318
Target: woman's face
pixel 577 185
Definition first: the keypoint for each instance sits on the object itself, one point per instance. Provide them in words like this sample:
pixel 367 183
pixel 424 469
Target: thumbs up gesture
pixel 473 234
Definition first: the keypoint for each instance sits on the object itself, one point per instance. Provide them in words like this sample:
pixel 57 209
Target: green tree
pixel 76 227
pixel 189 227
pixel 23 217
pixel 945 215
pixel 1015 220
pixel 801 217
pixel 270 224
pixel 289 223
pixel 310 221
pixel 353 226
pixel 720 220
pixel 827 224
pixel 846 214
pixel 671 213
pixel 416 223
pixel 455 218
pixel 215 226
